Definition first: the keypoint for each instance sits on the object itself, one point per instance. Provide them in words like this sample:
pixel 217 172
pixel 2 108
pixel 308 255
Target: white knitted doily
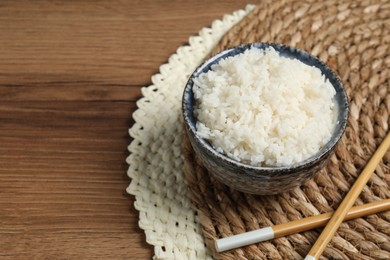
pixel 156 164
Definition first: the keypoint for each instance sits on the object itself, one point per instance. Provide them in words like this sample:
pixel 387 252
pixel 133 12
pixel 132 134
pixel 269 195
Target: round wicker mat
pixel 353 38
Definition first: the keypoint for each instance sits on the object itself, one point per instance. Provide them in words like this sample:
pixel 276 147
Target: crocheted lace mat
pixel 166 213
pixel 353 38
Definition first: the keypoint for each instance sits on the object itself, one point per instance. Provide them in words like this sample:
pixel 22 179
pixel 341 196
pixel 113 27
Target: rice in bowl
pixel 264 109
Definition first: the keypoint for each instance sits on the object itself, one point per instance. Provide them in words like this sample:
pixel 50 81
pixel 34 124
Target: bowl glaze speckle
pixel 257 179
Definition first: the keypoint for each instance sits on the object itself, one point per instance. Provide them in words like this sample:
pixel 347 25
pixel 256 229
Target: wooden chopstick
pixel 296 226
pixel 334 223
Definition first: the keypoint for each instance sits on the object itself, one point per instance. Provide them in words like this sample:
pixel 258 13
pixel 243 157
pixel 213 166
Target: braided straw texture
pixel 166 213
pixel 353 38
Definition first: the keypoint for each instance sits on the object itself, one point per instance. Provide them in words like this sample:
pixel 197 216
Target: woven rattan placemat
pixel 353 38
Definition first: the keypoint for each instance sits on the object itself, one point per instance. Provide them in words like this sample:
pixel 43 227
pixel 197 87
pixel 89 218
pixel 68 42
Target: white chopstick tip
pixel 244 239
pixel 309 257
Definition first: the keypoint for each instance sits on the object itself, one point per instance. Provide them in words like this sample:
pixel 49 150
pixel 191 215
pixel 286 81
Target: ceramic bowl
pixel 256 179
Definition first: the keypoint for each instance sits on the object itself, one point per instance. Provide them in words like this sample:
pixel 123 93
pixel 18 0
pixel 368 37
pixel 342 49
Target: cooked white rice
pixel 264 109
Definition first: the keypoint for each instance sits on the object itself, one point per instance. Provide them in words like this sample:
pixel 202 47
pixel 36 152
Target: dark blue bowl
pixel 263 180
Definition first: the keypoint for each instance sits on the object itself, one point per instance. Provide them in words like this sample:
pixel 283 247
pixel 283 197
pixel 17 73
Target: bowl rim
pixel 328 147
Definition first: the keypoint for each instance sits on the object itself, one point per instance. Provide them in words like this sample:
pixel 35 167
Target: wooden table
pixel 70 73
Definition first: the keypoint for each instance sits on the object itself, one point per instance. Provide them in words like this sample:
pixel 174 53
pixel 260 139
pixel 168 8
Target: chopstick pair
pixel 344 212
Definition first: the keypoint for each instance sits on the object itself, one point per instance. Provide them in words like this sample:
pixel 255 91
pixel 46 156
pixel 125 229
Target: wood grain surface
pixel 70 73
